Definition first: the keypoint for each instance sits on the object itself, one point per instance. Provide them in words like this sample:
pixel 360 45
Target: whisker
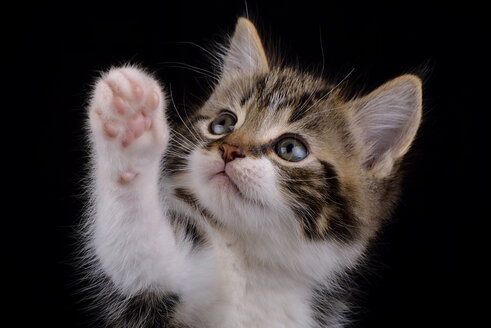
pixel 185 146
pixel 188 141
pixel 192 68
pixel 180 117
pixel 192 125
pixel 208 52
pixel 177 154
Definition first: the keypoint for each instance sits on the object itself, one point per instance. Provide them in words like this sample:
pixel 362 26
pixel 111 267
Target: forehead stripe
pixel 302 103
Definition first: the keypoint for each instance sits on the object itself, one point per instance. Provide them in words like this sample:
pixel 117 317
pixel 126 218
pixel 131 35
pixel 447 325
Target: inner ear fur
pixel 386 122
pixel 245 53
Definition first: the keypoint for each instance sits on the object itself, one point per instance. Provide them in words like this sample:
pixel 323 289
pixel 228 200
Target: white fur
pixel 131 241
pixel 258 270
pixel 260 273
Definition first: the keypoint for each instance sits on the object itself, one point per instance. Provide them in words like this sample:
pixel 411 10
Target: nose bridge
pixel 240 138
pixel 244 138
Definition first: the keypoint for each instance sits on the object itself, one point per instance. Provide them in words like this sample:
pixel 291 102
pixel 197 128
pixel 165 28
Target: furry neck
pixel 267 292
pixel 267 257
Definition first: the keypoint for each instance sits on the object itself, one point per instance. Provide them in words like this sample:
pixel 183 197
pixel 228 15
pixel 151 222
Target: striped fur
pixel 325 191
pixel 246 238
pixel 331 196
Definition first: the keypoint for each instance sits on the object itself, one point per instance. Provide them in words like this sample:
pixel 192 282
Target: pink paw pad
pixel 152 100
pixel 127 177
pixel 120 105
pixel 111 129
pixel 129 100
pixel 137 91
pixel 137 125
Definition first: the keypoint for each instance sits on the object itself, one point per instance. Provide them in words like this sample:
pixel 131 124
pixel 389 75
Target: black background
pixel 424 261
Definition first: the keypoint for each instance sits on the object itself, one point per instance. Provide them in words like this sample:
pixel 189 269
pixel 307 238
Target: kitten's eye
pixel 291 149
pixel 223 124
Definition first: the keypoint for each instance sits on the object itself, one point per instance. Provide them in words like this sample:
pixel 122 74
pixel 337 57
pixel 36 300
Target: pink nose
pixel 230 152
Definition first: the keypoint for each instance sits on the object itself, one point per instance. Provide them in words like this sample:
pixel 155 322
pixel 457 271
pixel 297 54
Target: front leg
pixel 133 243
pixel 131 239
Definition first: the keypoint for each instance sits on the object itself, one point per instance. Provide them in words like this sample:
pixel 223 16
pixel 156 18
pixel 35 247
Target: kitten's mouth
pixel 224 180
pixel 222 175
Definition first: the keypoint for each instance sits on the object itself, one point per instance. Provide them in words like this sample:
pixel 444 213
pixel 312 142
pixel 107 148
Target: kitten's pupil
pixel 224 123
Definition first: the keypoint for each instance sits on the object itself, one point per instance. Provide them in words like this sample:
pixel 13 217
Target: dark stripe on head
pixel 262 98
pixel 261 84
pixel 279 83
pixel 303 102
pixel 247 95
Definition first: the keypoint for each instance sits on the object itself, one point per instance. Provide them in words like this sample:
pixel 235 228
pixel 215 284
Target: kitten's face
pixel 276 146
pixel 281 152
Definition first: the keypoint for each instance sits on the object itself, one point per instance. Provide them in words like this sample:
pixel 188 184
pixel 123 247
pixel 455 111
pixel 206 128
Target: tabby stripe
pixel 309 214
pixel 247 95
pixel 342 224
pixel 261 84
pixel 321 207
pixel 191 231
pixel 147 310
pixel 174 164
pixel 187 197
pixel 303 102
pixel 309 203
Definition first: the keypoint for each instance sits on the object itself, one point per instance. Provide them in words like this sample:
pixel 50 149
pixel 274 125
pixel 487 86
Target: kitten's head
pixel 282 152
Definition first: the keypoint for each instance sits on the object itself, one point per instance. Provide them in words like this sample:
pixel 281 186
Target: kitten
pixel 248 213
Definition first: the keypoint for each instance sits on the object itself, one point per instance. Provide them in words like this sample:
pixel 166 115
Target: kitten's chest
pixel 260 298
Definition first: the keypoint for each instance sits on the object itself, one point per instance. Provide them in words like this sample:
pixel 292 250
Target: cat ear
pixel 245 53
pixel 386 121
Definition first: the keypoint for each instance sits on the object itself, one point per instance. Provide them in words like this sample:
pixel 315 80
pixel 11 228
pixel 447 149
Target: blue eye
pixel 225 123
pixel 291 149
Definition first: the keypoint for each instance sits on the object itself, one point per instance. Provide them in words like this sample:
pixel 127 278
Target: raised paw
pixel 127 121
pixel 127 109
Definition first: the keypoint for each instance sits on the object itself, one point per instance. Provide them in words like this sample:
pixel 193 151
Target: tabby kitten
pixel 248 213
